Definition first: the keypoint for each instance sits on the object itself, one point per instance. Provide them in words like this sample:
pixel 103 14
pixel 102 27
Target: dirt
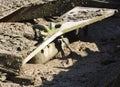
pixel 17 38
pixel 17 42
pixel 93 62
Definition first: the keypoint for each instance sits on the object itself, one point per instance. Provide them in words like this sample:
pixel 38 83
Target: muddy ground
pixel 93 62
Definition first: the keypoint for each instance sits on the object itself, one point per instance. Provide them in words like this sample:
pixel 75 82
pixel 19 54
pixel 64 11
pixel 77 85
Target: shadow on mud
pixel 97 68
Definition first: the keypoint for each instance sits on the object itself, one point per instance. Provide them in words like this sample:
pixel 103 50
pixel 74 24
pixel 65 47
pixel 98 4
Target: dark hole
pixel 19 49
pixel 42 51
pixel 58 26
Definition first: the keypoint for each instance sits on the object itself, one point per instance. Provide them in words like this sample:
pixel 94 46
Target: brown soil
pixel 93 62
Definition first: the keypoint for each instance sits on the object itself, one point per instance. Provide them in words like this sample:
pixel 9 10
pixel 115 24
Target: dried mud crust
pixel 14 37
pixel 16 42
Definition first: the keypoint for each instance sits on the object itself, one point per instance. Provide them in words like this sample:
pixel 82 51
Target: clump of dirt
pixel 15 40
pixel 15 43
